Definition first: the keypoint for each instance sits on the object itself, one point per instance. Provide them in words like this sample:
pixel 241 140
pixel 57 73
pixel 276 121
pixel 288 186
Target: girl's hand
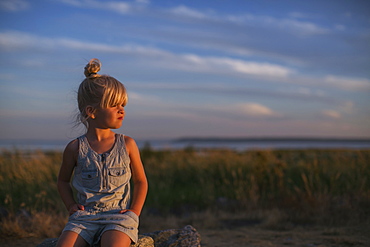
pixel 75 207
pixel 125 210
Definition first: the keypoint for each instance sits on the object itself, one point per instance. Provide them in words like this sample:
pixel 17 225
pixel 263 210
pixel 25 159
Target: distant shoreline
pixel 209 139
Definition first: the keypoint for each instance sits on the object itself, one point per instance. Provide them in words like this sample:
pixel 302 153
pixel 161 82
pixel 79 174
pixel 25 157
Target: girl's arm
pixel 68 164
pixel 138 176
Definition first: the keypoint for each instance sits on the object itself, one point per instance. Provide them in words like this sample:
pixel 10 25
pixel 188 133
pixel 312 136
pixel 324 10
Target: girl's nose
pixel 121 109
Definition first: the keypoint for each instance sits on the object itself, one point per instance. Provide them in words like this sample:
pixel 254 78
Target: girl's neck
pixel 101 141
pixel 99 134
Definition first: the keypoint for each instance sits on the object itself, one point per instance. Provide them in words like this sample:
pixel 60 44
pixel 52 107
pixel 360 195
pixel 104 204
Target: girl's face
pixel 109 118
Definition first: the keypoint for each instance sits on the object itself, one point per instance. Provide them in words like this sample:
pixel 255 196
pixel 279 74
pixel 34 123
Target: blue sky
pixel 192 68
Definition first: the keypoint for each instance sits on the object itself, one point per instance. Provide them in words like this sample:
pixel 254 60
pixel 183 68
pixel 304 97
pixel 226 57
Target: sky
pixel 212 68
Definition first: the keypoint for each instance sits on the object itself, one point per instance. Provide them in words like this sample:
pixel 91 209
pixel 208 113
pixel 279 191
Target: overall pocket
pixel 90 178
pixel 132 215
pixel 118 176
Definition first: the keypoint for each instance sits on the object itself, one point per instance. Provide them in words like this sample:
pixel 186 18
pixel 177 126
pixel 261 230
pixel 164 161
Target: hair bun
pixel 92 68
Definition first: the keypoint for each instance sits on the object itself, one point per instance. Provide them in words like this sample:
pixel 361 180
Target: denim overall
pixel 102 182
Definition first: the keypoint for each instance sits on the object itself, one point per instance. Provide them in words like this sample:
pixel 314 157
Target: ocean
pixel 239 144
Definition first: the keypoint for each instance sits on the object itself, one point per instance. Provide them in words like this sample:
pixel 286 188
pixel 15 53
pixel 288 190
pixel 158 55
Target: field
pixel 251 198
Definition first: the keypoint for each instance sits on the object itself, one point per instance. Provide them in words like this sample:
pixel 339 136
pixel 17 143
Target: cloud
pixel 331 114
pixel 243 35
pixel 137 99
pixel 256 110
pixel 290 24
pixel 98 47
pixel 288 93
pixel 16 40
pixel 187 12
pixel 13 40
pixel 14 5
pixel 225 64
pixel 114 6
pixel 306 28
pixel 286 24
pixel 39 95
pixel 119 7
pixel 160 58
pixel 253 68
pixel 355 84
pixel 241 111
pixel 320 84
pixel 155 106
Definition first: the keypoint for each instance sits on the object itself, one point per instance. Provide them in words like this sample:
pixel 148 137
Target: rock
pixel 50 242
pixel 185 237
pixel 144 241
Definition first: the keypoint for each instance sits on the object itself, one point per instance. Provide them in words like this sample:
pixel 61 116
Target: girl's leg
pixel 113 238
pixel 71 239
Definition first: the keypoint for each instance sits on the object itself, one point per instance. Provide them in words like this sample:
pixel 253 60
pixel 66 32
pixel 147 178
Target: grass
pixel 271 186
pixel 293 179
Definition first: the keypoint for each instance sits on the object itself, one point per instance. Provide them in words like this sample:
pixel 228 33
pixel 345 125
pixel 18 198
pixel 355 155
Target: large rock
pixel 185 237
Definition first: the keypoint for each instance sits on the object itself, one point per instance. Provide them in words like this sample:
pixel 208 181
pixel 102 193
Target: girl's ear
pixel 90 111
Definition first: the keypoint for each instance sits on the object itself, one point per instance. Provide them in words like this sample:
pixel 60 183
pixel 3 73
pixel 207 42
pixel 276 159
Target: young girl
pixel 103 163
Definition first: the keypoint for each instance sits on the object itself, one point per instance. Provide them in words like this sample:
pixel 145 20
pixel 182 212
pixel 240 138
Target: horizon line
pixel 213 138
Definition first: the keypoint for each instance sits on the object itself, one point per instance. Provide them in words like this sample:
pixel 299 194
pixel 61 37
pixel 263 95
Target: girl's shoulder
pixel 72 147
pixel 129 140
pixel 130 143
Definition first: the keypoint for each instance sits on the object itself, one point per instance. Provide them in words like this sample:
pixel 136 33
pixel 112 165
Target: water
pixel 230 143
pixel 30 145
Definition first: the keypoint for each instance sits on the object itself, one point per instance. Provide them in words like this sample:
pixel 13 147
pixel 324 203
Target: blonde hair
pixel 98 91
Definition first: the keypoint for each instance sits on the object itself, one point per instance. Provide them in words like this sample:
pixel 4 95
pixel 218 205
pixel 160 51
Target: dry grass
pixel 40 225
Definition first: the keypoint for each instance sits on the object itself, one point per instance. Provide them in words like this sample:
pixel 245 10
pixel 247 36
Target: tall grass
pixel 307 181
pixel 28 181
pixel 29 201
pixel 308 185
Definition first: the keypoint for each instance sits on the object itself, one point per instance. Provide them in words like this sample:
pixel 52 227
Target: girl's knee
pixel 114 238
pixel 69 239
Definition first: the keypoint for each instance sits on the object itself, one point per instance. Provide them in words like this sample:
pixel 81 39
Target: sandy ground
pixel 255 236
pixel 302 237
